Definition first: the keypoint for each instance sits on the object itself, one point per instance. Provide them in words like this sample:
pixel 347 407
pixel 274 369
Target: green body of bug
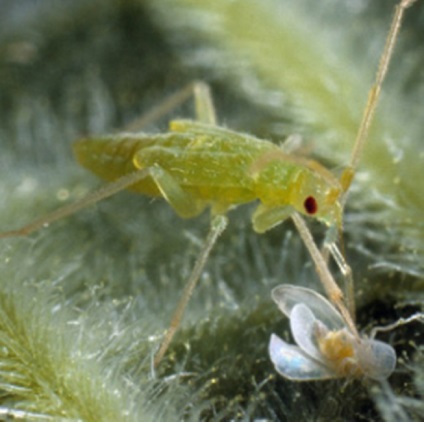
pixel 199 164
pixel 217 167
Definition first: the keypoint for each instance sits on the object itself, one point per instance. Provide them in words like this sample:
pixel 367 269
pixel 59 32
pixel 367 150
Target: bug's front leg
pixel 186 206
pixel 265 218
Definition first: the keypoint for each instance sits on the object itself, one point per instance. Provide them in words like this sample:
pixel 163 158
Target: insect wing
pixel 376 359
pixel 290 362
pixel 287 296
pixel 304 327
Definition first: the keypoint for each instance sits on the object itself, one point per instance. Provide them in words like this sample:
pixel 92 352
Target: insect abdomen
pixel 112 157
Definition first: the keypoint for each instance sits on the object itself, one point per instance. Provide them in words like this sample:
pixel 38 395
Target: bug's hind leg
pixel 204 109
pixel 218 225
pixel 91 198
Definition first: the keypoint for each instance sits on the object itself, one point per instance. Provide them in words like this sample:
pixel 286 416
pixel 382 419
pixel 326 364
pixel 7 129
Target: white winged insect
pixel 326 346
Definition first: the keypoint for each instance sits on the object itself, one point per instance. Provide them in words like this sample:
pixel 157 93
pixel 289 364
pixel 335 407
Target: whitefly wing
pixel 287 296
pixel 304 327
pixel 376 359
pixel 292 363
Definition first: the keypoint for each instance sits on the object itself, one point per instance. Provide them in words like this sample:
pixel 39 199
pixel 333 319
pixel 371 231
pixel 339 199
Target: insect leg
pixel 338 254
pixel 184 204
pixel 205 111
pixel 19 414
pixel 346 270
pixel 218 225
pixel 265 218
pixel 293 144
pixel 90 199
pixel 402 321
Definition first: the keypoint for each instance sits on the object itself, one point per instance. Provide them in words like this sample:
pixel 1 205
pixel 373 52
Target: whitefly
pixel 325 345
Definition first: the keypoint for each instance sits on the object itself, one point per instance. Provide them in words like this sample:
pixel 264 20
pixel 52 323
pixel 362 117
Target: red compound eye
pixel 310 204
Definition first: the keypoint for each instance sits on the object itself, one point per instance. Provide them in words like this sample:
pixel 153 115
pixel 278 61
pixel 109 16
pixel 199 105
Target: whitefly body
pixel 325 347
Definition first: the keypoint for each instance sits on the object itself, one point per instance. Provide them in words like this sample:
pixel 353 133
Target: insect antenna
pixel 330 246
pixel 331 288
pixel 373 97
